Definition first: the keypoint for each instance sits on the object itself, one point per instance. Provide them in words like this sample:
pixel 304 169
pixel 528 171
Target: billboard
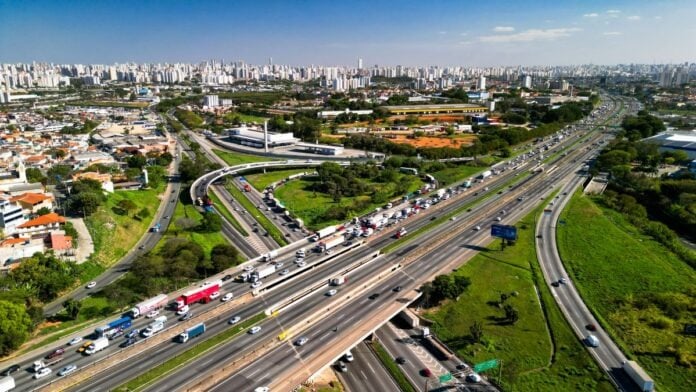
pixel 504 231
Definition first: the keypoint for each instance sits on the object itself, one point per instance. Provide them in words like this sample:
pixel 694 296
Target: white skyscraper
pixel 527 81
pixel 482 83
pixel 360 64
pixel 211 101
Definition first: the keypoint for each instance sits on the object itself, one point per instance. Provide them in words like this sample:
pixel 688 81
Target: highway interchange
pixel 410 277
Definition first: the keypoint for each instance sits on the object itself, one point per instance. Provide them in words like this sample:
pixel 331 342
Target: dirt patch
pixel 324 379
pixel 436 142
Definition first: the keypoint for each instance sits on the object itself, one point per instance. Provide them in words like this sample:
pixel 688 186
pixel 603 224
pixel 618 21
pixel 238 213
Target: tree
pixel 72 308
pixel 15 325
pixel 511 314
pixel 476 331
pixel 137 161
pixel 210 223
pixel 43 211
pixel 143 213
pixel 223 256
pixel 132 97
pixel 127 205
pixel 185 223
pixel 35 175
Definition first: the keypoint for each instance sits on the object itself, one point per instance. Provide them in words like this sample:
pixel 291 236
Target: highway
pixel 608 355
pixel 333 267
pixel 366 373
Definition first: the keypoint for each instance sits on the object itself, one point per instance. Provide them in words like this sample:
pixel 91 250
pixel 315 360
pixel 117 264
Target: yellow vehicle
pixel 84 347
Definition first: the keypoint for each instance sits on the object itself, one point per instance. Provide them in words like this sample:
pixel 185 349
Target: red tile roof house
pixel 32 202
pixel 41 225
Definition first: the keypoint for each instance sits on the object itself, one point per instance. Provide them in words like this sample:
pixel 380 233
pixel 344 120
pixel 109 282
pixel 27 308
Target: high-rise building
pixel 360 63
pixel 482 83
pixel 211 101
pixel 527 81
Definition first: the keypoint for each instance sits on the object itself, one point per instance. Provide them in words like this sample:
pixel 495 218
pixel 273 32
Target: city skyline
pixel 444 33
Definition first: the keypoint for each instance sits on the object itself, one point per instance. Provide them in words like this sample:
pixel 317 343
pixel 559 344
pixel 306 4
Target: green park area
pixel 642 293
pixel 235 158
pixel 183 225
pixel 508 313
pixel 342 193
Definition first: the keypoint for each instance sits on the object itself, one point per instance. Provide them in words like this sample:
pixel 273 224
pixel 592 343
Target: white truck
pixel 152 329
pixel 440 193
pixel 158 302
pixel 97 345
pixel 325 232
pixel 270 255
pixel 337 281
pixel 485 175
pixel 262 272
pixel 639 376
pixel 330 243
pixel 7 383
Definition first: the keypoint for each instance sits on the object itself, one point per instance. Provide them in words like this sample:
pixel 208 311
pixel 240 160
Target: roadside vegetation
pixel 392 367
pixel 235 158
pixel 338 193
pixel 261 180
pixel 253 210
pixel 508 313
pixel 221 209
pixel 643 293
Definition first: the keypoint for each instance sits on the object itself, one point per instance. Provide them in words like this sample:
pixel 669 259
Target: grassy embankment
pixel 253 210
pixel 539 352
pixel 640 291
pixel 234 158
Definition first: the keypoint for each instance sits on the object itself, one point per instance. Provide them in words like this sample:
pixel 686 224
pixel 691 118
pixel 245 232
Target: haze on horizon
pixel 409 33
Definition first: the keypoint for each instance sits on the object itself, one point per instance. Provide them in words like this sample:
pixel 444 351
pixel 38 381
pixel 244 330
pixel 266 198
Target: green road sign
pixel 483 366
pixel 446 377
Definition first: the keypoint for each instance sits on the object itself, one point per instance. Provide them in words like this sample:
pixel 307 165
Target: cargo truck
pixel 200 294
pixel 262 272
pixel 40 364
pixel 97 345
pixel 485 175
pixel 7 383
pixel 113 327
pixel 325 232
pixel 639 376
pixel 330 243
pixel 190 333
pixel 145 307
pixel 270 255
pixel 337 281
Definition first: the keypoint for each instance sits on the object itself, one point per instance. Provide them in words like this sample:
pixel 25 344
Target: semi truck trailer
pixel 270 255
pixel 200 294
pixel 262 272
pixel 330 243
pixel 7 383
pixel 113 327
pixel 639 376
pixel 325 232
pixel 145 307
pixel 485 175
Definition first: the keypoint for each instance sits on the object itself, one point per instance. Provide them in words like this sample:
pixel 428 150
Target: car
pixel 262 389
pixel 591 327
pixel 116 334
pixel 328 252
pixel 473 377
pixel 555 284
pixel 226 297
pixel 215 295
pixel 91 285
pixel 67 370
pixel 11 370
pixel 331 292
pixel 43 372
pixel 426 372
pixel 374 296
pixel 498 219
pixel 462 366
pixel 132 333
pixel 166 217
pixel 182 311
pixel 348 357
pixel 284 272
pixel 172 201
pixel 254 330
pixel 84 347
pixel 128 342
pixel 75 341
pixel 454 218
pixel 562 281
pixel 248 268
pixel 153 314
pixel 186 316
pixel 278 265
pixel 226 278
pixel 477 228
pixel 342 367
pixel 256 284
pixel 234 320
pixel 301 341
pixel 400 360
pixel 397 289
pixel 301 264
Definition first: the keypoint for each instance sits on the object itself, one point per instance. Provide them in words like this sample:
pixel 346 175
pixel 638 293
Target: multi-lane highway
pixel 365 373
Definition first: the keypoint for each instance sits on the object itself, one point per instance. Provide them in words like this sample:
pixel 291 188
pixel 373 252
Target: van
pixel 161 319
pixel 592 341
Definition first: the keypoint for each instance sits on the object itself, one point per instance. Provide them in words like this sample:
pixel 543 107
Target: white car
pixel 278 265
pixel 91 285
pixel 477 228
pixel 256 284
pixel 498 218
pixel 348 357
pixel 155 313
pixel 234 320
pixel 262 389
pixel 331 292
pixel 254 330
pixel 226 297
pixel 182 311
pixel 248 268
pixel 301 264
pixel 215 295
pixel 43 372
pixel 74 341
pixel 301 341
pixel 284 272
pixel 67 370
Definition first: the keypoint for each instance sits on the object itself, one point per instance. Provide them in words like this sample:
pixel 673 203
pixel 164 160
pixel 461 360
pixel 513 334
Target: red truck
pixel 200 294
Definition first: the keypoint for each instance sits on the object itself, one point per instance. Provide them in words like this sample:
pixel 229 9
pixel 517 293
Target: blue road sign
pixel 503 231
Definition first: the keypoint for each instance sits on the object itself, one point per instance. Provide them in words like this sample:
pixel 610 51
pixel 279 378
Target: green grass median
pixel 219 207
pixel 253 210
pixel 172 364
pixel 392 367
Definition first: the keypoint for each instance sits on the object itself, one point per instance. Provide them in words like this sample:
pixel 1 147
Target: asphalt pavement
pixel 365 373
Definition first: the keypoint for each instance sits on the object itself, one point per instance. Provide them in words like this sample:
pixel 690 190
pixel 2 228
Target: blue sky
pixel 463 32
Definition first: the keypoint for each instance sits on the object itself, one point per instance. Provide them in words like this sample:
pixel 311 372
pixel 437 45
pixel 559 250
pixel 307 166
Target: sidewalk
pixel 85 245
